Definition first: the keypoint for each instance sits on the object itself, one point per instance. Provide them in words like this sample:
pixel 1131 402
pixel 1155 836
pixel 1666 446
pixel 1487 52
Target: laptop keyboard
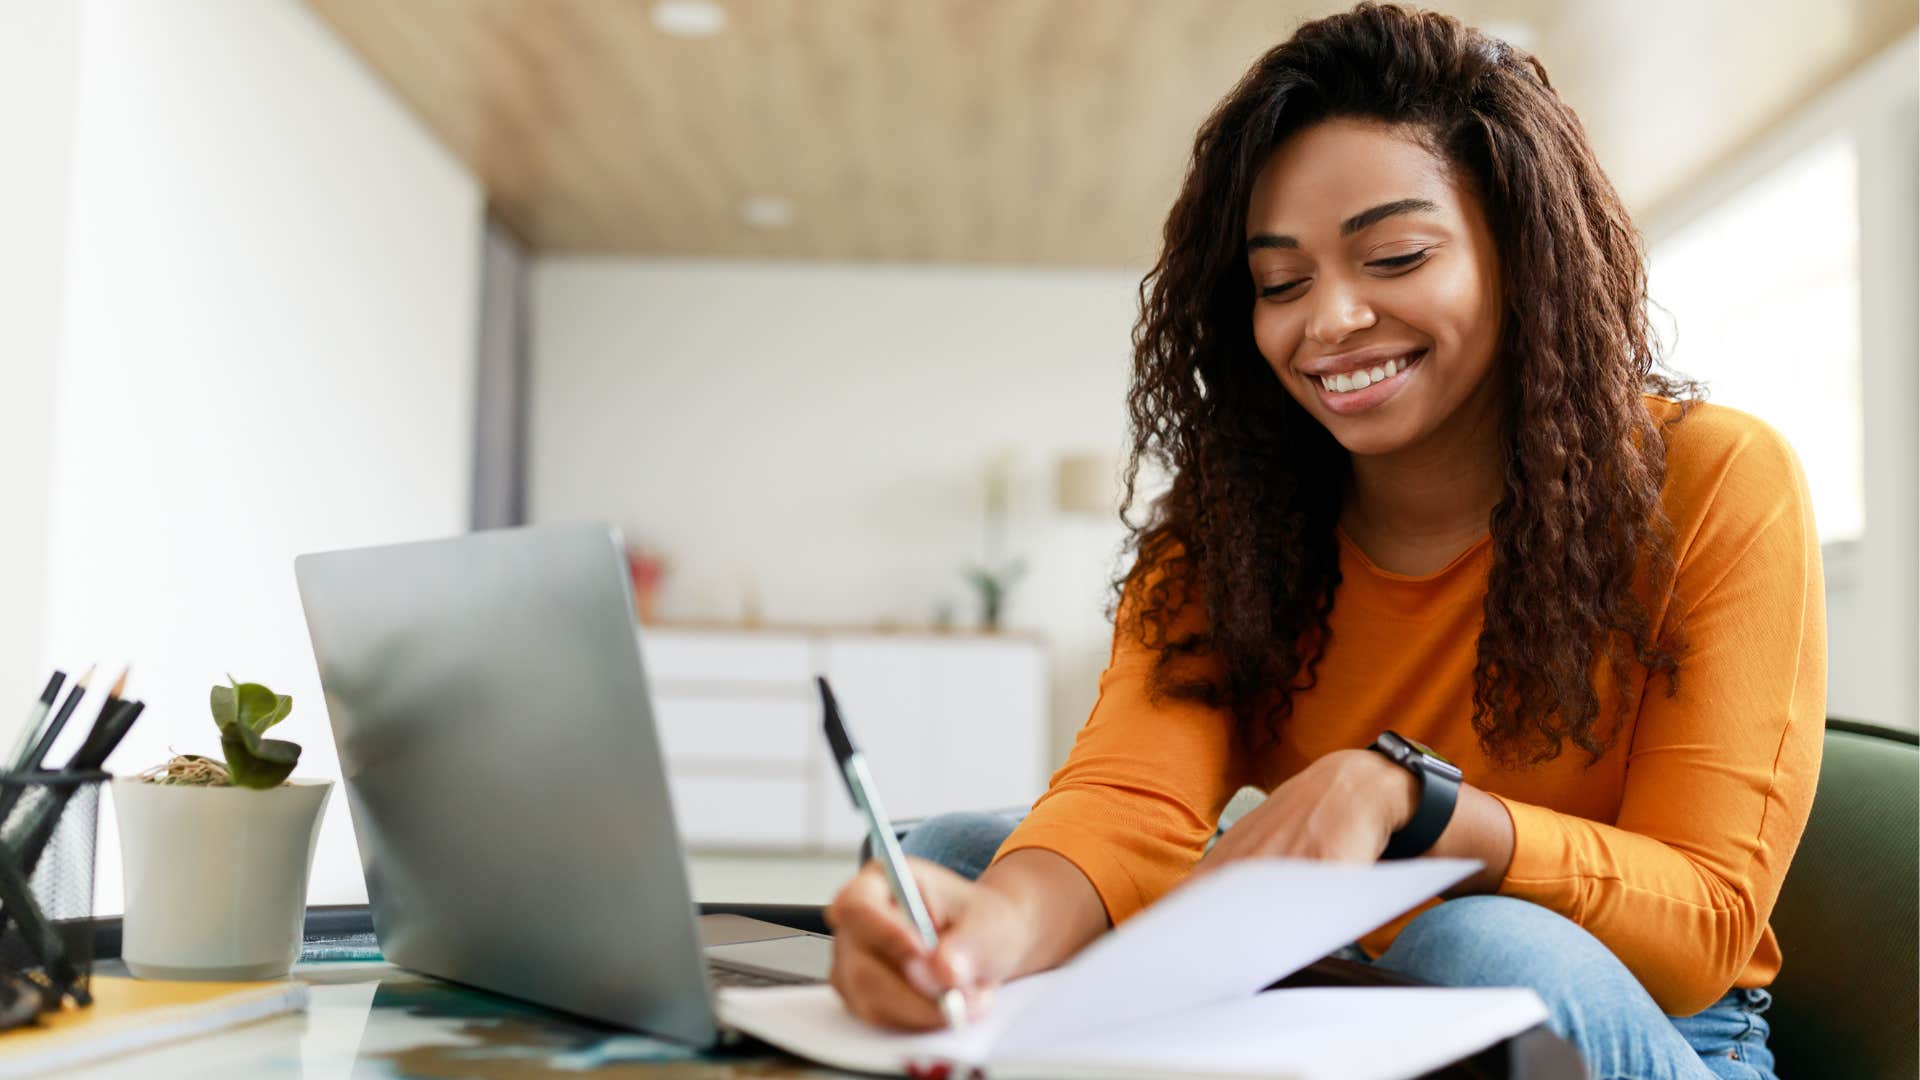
pixel 730 976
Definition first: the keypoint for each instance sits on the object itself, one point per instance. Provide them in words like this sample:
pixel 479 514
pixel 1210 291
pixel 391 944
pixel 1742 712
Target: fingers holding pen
pixel 865 910
pixel 881 966
pixel 880 960
pixel 879 992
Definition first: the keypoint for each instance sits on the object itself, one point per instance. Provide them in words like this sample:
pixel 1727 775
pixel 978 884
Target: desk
pixel 369 1019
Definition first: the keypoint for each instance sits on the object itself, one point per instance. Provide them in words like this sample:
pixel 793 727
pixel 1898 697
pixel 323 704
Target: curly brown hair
pixel 1247 526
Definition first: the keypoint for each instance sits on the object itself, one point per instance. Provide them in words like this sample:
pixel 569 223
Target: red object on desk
pixel 647 570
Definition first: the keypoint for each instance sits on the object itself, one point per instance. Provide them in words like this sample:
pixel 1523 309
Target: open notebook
pixel 1176 991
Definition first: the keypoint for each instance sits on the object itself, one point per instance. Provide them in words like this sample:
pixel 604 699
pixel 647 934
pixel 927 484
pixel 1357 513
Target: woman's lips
pixel 1349 402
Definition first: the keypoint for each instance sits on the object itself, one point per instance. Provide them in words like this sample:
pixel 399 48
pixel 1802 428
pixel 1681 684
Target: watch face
pixel 1410 752
pixel 1392 745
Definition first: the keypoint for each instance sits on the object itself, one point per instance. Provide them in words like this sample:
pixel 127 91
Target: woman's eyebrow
pixel 1365 219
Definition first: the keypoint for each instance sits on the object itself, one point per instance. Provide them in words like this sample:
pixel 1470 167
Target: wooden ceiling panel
pixel 1032 132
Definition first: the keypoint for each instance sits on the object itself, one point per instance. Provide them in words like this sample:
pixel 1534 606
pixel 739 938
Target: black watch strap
pixel 1439 782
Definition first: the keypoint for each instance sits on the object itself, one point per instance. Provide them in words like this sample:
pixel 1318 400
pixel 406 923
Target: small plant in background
pixel 243 712
pixel 992 586
pixel 995 576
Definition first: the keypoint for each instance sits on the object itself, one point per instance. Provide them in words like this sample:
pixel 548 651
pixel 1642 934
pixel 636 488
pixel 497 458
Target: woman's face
pixel 1376 285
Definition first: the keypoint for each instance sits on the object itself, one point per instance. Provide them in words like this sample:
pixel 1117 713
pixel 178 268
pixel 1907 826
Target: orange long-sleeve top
pixel 1670 849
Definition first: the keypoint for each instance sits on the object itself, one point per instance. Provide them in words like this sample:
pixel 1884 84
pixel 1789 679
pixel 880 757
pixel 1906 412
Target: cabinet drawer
pixel 701 658
pixel 740 811
pixel 721 729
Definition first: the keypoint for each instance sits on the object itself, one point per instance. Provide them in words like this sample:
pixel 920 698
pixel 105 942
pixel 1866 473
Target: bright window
pixel 1762 299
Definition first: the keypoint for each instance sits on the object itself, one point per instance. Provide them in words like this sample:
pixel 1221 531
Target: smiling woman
pixel 1405 279
pixel 1437 518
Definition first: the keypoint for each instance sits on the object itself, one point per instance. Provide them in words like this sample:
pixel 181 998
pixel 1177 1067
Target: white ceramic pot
pixel 216 877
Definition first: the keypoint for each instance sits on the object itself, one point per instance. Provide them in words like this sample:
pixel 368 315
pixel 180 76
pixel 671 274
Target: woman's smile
pixel 1362 389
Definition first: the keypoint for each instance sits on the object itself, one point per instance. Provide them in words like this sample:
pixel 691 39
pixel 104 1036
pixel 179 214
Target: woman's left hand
pixel 1341 808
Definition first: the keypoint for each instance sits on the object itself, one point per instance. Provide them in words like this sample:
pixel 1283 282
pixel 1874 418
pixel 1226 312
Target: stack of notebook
pixel 133 1014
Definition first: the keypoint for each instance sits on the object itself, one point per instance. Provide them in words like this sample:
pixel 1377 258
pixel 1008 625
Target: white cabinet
pixel 948 722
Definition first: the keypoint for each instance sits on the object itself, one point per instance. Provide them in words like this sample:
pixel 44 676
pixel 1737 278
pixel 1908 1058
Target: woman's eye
pixel 1396 262
pixel 1401 261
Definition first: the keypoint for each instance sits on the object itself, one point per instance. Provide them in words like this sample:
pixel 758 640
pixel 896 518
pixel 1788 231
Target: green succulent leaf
pixel 243 711
pixel 261 708
pixel 226 707
pixel 256 762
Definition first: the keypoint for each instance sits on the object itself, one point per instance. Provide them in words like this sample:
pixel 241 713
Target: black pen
pixel 853 769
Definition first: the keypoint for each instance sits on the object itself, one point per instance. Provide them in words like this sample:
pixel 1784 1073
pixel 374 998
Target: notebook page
pixel 1343 1033
pixel 1222 936
pixel 812 1022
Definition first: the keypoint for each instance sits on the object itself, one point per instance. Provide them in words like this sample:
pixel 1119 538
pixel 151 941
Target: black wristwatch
pixel 1439 790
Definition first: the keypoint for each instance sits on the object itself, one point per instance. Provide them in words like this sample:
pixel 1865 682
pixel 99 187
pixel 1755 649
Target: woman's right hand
pixel 886 975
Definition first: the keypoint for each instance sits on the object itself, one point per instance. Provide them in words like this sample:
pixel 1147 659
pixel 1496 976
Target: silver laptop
pixel 497 743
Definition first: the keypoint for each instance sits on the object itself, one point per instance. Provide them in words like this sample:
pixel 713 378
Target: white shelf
pixel 947 723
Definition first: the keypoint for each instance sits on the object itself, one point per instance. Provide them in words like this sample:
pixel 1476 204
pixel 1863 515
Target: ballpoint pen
pixel 853 769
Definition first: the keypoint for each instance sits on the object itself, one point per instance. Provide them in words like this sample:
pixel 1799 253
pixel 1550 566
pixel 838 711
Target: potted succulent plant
pixel 217 853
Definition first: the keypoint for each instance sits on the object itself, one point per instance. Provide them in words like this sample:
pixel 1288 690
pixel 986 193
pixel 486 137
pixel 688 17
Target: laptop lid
pixel 507 788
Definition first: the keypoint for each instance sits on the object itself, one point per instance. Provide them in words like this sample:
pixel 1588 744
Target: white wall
pixel 270 310
pixel 817 434
pixel 1873 573
pixel 39 65
pixel 1875 673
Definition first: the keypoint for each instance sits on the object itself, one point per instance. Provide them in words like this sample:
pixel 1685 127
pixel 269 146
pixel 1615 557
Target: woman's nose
pixel 1339 310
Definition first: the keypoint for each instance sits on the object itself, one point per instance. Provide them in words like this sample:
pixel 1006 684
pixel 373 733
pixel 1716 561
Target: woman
pixel 1427 481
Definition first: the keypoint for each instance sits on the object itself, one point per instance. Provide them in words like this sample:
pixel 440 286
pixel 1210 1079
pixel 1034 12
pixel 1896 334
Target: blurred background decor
pixel 648 571
pixel 1087 484
pixel 996 574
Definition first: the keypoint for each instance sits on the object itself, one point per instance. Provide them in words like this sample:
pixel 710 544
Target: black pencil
pixel 36 716
pixel 96 752
pixel 39 752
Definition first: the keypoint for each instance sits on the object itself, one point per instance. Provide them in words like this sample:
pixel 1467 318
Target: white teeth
pixel 1360 380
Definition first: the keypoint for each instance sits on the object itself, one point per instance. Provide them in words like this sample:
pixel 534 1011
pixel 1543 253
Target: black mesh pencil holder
pixel 48 824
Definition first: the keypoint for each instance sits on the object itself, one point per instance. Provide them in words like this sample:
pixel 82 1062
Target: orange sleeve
pixel 1720 777
pixel 1142 790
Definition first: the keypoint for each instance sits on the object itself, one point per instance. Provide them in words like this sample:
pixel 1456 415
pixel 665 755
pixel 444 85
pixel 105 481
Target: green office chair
pixel 1845 999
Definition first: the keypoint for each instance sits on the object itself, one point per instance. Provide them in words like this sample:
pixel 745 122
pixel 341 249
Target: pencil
pixel 108 710
pixel 105 737
pixel 113 695
pixel 122 723
pixel 39 752
pixel 30 734
pixel 104 721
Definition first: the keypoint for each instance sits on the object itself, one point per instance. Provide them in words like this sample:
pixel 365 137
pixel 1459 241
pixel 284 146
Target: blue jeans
pixel 1594 1002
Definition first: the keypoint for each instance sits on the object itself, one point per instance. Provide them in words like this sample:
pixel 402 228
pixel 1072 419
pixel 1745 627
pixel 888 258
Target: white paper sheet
pixel 1342 1033
pixel 811 1021
pixel 1216 940
pixel 1223 936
